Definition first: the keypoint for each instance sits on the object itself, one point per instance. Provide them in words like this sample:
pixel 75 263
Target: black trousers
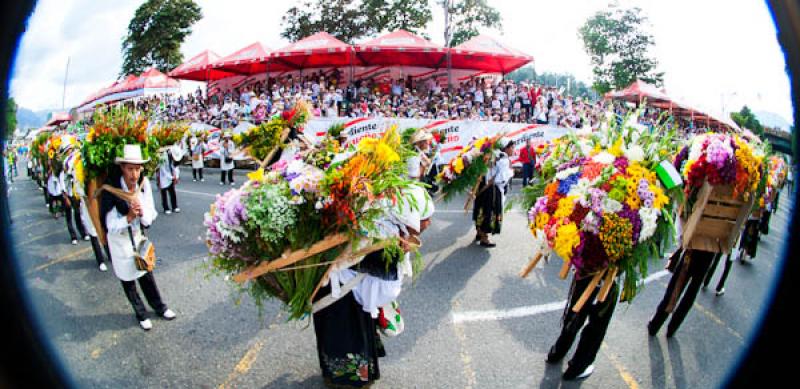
pixel 599 315
pixel 172 197
pixel 725 271
pixel 148 284
pixel 197 174
pixel 686 281
pixel 229 174
pixel 75 205
pixel 58 201
pixel 99 255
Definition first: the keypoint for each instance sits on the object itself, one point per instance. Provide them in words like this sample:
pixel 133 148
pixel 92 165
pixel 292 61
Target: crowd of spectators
pixel 483 98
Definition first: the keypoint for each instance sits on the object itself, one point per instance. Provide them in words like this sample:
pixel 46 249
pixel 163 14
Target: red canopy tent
pixel 638 91
pixel 153 79
pixel 320 50
pixel 487 54
pixel 401 48
pixel 251 59
pixel 199 68
pixel 58 118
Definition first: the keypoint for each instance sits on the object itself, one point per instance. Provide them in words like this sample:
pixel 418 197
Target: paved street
pixel 470 320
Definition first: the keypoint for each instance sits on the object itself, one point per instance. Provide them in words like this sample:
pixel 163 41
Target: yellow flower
pixel 257 175
pixel 542 218
pixel 50 154
pixel 565 207
pixel 567 239
pixel 367 145
pixel 616 149
pixel 385 154
pixel 458 165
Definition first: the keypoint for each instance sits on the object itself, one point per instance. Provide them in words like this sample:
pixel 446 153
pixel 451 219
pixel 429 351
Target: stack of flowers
pixel 168 134
pixel 776 174
pixel 285 226
pixel 463 171
pixel 260 140
pixel 111 131
pixel 324 152
pixel 605 212
pixel 721 159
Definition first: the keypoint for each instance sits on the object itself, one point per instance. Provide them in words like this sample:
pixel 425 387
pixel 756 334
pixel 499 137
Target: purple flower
pixel 681 157
pixel 621 163
pixel 635 220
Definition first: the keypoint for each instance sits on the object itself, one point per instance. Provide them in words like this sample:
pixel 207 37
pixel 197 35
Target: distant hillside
pixel 771 119
pixel 27 118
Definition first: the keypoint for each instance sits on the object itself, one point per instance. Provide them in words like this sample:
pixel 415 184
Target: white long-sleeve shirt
pixel 117 223
pixel 54 186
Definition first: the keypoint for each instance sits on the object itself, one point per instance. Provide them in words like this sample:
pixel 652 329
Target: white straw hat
pixel 131 154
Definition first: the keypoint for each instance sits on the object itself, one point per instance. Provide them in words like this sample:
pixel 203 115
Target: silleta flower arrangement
pixel 721 159
pixel 111 131
pixel 284 228
pixel 606 213
pixel 259 141
pixel 169 133
pixel 463 171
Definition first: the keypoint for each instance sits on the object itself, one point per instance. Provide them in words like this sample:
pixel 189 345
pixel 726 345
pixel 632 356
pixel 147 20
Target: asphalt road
pixel 471 322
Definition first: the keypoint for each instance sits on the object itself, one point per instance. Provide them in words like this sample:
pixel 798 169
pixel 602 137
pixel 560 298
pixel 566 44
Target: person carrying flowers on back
pixel 59 201
pixel 167 176
pixel 124 221
pixel 196 152
pixel 419 163
pixel 226 163
pixel 487 212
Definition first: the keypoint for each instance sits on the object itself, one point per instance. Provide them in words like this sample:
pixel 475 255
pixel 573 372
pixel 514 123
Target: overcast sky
pixel 715 53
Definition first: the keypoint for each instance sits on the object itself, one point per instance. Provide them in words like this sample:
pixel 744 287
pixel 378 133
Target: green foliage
pixel 745 118
pixel 465 18
pixel 349 20
pixel 11 117
pixel 155 35
pixel 618 46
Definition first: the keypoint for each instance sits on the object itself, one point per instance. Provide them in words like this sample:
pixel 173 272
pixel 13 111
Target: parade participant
pixel 487 212
pixel 167 177
pixel 690 267
pixel 599 315
pixel 124 222
pixel 72 202
pixel 196 152
pixel 348 344
pixel 418 164
pixel 100 251
pixel 226 163
pixel 527 157
pixel 60 202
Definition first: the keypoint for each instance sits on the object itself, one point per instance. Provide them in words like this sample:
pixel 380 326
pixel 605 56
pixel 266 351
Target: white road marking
pixel 196 193
pixel 531 310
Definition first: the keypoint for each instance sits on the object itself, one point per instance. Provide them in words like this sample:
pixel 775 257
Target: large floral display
pixel 601 207
pixel 283 229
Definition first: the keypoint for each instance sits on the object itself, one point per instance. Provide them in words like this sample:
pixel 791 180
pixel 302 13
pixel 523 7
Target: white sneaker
pixel 86 238
pixel 202 180
pixel 177 210
pixel 103 267
pixel 74 241
pixel 194 180
pixel 169 314
pixel 146 324
pixel 721 292
pixel 221 183
pixel 589 370
pixel 168 212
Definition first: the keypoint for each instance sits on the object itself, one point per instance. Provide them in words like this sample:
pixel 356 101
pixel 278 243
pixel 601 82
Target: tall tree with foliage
pixel 350 20
pixel 745 118
pixel 465 16
pixel 618 45
pixel 155 35
pixel 11 117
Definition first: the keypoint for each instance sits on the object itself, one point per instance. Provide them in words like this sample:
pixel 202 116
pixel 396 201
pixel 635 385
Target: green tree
pixel 618 45
pixel 11 117
pixel 465 16
pixel 350 20
pixel 155 35
pixel 746 119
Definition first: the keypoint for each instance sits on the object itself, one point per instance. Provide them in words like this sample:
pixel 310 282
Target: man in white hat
pixel 418 164
pixel 487 211
pixel 124 221
pixel 226 164
pixel 197 150
pixel 167 176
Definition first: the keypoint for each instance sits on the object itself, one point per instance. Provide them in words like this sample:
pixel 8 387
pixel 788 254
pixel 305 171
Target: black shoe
pixel 487 244
pixel 477 237
pixel 671 331
pixel 651 329
pixel 553 357
pixel 574 372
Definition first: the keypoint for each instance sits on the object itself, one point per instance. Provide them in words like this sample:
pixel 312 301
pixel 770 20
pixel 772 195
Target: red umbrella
pixel 199 68
pixel 320 50
pixel 251 59
pixel 401 48
pixel 153 79
pixel 487 54
pixel 640 90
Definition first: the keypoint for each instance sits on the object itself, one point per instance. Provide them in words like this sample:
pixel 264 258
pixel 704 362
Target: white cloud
pixel 713 52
